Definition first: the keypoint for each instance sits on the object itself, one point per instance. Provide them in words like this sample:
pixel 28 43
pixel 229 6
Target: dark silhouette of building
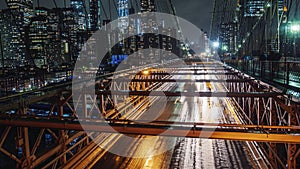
pixel 94 17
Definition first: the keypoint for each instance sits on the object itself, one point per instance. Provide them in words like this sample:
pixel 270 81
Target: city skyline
pixel 88 85
pixel 50 40
pixel 189 10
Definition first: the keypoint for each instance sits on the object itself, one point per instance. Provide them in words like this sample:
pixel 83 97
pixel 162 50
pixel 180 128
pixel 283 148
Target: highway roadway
pixel 120 151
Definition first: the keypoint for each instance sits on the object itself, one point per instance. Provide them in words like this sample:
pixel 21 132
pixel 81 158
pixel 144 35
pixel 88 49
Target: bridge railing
pixel 284 75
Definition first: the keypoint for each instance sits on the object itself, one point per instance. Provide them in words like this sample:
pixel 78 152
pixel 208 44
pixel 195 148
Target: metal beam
pixel 54 150
pixel 191 73
pixel 189 94
pixel 11 103
pixel 12 156
pixel 161 130
pixel 184 80
pixel 197 67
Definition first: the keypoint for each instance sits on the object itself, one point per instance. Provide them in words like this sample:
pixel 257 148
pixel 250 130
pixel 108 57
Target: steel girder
pixel 259 104
pixel 30 144
pixel 280 110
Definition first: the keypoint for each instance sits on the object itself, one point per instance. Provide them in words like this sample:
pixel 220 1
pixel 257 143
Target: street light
pixel 295 28
pixel 215 48
pixel 216 44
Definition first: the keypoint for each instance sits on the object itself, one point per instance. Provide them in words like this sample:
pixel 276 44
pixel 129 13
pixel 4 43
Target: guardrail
pixel 284 75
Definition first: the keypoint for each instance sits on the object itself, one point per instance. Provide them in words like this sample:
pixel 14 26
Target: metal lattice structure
pixel 43 128
pixel 264 114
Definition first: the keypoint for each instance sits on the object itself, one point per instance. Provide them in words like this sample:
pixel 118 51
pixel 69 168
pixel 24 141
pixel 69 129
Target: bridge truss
pixel 264 114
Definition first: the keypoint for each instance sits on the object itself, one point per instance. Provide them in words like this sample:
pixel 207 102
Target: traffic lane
pixel 187 109
pixel 205 153
pixel 143 148
pixel 139 148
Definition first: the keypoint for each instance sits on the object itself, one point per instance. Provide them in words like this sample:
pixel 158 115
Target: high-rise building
pixel 82 23
pixel 70 44
pixel 149 22
pixel 123 13
pixel 24 9
pixel 38 37
pixel 123 8
pixel 14 32
pixel 63 32
pixel 12 39
pixel 80 13
pixel 149 30
pixel 281 6
pixel 271 13
pixel 228 37
pixel 254 8
pixel 94 16
pixel 148 6
pixel 8 42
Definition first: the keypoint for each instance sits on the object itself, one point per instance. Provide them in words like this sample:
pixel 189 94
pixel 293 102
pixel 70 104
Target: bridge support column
pixel 291 156
pixel 84 102
pixel 292 148
pixel 102 106
pixel 62 135
pixel 27 147
pixel 273 122
pixel 23 142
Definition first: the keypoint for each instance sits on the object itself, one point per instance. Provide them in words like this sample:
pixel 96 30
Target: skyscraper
pixel 149 22
pixel 94 16
pixel 10 40
pixel 14 32
pixel 148 6
pixel 253 8
pixel 228 37
pixel 80 15
pixel 24 9
pixel 63 32
pixel 123 10
pixel 38 37
pixel 69 44
pixel 281 6
pixel 123 13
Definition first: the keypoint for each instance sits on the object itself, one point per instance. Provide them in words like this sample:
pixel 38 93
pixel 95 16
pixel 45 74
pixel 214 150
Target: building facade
pixel 94 15
pixel 14 30
pixel 123 12
pixel 148 6
pixel 80 13
pixel 39 38
pixel 229 37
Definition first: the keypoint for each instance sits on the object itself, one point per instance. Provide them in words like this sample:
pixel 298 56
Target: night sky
pixel 197 12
